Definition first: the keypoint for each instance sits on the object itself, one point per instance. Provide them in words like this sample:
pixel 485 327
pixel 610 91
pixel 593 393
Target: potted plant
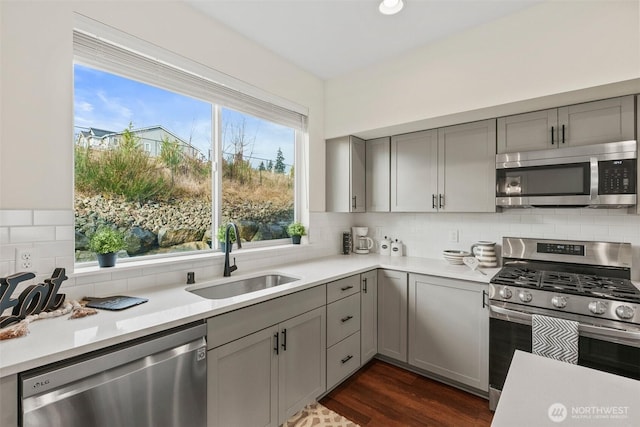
pixel 106 242
pixel 296 230
pixel 221 237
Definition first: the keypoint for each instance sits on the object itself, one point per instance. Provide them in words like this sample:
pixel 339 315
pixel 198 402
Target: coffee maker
pixel 361 243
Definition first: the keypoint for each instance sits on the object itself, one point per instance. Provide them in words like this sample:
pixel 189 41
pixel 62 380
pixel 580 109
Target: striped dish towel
pixel 555 338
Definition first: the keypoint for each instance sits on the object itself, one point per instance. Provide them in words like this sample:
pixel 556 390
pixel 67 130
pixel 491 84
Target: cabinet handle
pixel 346 288
pixel 552 135
pixel 284 340
pixel 346 359
pixel 433 201
pixel 346 319
pixel 441 201
pixel 484 299
pixel 563 134
pixel 277 339
pixel 364 285
pixel 353 202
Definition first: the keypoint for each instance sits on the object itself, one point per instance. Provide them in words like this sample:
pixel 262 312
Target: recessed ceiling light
pixel 390 7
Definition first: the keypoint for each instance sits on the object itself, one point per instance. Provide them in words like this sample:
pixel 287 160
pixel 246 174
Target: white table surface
pixel 542 392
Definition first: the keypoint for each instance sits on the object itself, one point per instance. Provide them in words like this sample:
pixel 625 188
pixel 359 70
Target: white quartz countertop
pixel 56 339
pixel 545 392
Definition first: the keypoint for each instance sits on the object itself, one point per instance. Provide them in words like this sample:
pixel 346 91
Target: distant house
pixel 150 139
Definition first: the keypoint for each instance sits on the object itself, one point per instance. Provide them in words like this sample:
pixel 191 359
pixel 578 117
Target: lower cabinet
pixel 368 315
pixel 392 314
pixel 449 329
pixel 265 377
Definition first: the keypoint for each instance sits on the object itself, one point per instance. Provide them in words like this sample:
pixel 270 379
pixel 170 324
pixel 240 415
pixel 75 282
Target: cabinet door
pixel 414 171
pixel 392 314
pixel 357 170
pixel 529 131
pixel 609 120
pixel 368 315
pixel 449 329
pixel 301 363
pixel 338 175
pixel 242 382
pixel 378 175
pixel 467 162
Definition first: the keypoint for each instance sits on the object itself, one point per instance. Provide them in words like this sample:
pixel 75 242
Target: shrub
pixel 296 229
pixel 221 234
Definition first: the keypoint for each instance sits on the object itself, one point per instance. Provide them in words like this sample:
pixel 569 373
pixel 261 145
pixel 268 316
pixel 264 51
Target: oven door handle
pixel 610 334
pixel 509 315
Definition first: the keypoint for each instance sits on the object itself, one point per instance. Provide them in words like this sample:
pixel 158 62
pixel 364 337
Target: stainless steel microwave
pixel 600 175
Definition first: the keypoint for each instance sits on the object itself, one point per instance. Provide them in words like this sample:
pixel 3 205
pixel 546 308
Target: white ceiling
pixel 333 37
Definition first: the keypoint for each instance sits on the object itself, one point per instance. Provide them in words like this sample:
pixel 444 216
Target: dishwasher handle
pixel 39 382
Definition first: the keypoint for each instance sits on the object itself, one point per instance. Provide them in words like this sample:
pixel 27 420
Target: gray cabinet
pixel 345 174
pixel 414 171
pixel 449 329
pixel 267 361
pixel 343 329
pixel 392 314
pixel 378 178
pixel 368 315
pixel 608 120
pixel 466 167
pixel 450 169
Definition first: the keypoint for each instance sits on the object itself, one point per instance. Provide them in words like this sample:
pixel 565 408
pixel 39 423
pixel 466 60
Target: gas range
pixel 575 277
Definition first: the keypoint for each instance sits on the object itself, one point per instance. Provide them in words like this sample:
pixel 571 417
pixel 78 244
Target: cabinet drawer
pixel 343 359
pixel 343 318
pixel 343 288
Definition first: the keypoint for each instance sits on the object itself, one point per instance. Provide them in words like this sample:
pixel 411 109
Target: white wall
pixel 37 92
pixel 554 47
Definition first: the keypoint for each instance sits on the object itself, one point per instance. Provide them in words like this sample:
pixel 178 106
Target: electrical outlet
pixel 453 236
pixel 26 259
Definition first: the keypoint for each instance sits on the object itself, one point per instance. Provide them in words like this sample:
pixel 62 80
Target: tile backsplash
pixel 51 234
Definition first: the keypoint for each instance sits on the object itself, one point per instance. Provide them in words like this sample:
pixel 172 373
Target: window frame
pixel 244 91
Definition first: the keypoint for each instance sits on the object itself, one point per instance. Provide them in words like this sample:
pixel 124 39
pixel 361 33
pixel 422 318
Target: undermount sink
pixel 240 286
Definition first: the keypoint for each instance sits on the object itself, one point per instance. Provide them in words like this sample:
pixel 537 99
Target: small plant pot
pixel 223 246
pixel 107 260
pixel 296 239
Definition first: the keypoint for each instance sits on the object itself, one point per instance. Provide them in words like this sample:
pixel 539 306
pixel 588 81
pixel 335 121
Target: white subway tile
pixel 66 232
pixel 55 248
pixel 111 287
pixel 8 252
pixel 32 234
pixel 142 282
pixel 126 274
pixel 66 262
pixel 53 217
pixel 45 265
pixel 4 235
pixel 6 268
pixel 10 218
pixel 78 292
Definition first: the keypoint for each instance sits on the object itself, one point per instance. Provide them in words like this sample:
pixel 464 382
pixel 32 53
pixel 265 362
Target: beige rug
pixel 317 415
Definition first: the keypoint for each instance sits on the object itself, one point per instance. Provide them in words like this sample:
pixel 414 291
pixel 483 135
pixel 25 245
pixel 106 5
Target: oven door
pixel 606 349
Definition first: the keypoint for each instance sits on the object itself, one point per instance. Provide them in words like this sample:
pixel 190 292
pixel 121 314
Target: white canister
pixel 396 248
pixel 385 246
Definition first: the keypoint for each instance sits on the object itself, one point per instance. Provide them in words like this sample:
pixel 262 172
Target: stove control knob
pixel 624 312
pixel 525 296
pixel 505 293
pixel 597 307
pixel 559 301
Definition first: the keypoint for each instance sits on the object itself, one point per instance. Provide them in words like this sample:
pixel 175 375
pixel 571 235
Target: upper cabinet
pixel 345 177
pixel 378 179
pixel 450 169
pixel 608 120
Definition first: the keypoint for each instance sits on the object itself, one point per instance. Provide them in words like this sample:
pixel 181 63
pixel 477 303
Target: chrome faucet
pixel 227 248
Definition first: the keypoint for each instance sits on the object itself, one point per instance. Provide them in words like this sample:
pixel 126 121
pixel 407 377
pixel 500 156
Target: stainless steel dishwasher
pixel 159 381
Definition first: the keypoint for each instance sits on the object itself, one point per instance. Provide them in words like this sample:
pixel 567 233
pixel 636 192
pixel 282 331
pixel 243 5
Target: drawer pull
pixel 346 319
pixel 346 359
pixel 346 288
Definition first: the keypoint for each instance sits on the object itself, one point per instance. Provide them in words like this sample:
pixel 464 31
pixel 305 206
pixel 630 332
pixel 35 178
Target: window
pixel 168 156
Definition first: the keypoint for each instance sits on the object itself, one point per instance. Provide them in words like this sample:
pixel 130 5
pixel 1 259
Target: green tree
pixel 171 156
pixel 279 167
pixel 262 166
pixel 270 165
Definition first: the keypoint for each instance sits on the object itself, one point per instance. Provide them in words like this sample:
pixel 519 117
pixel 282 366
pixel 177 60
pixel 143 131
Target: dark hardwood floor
pixel 384 395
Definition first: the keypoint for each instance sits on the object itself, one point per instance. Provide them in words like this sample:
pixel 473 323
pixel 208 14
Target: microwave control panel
pixel 617 176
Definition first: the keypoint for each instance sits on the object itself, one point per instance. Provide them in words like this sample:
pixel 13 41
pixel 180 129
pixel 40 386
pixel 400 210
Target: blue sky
pixel 106 101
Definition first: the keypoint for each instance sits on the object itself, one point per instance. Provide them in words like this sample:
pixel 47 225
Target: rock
pixel 82 241
pixel 85 256
pixel 140 240
pixel 248 230
pixel 172 237
pixel 184 247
